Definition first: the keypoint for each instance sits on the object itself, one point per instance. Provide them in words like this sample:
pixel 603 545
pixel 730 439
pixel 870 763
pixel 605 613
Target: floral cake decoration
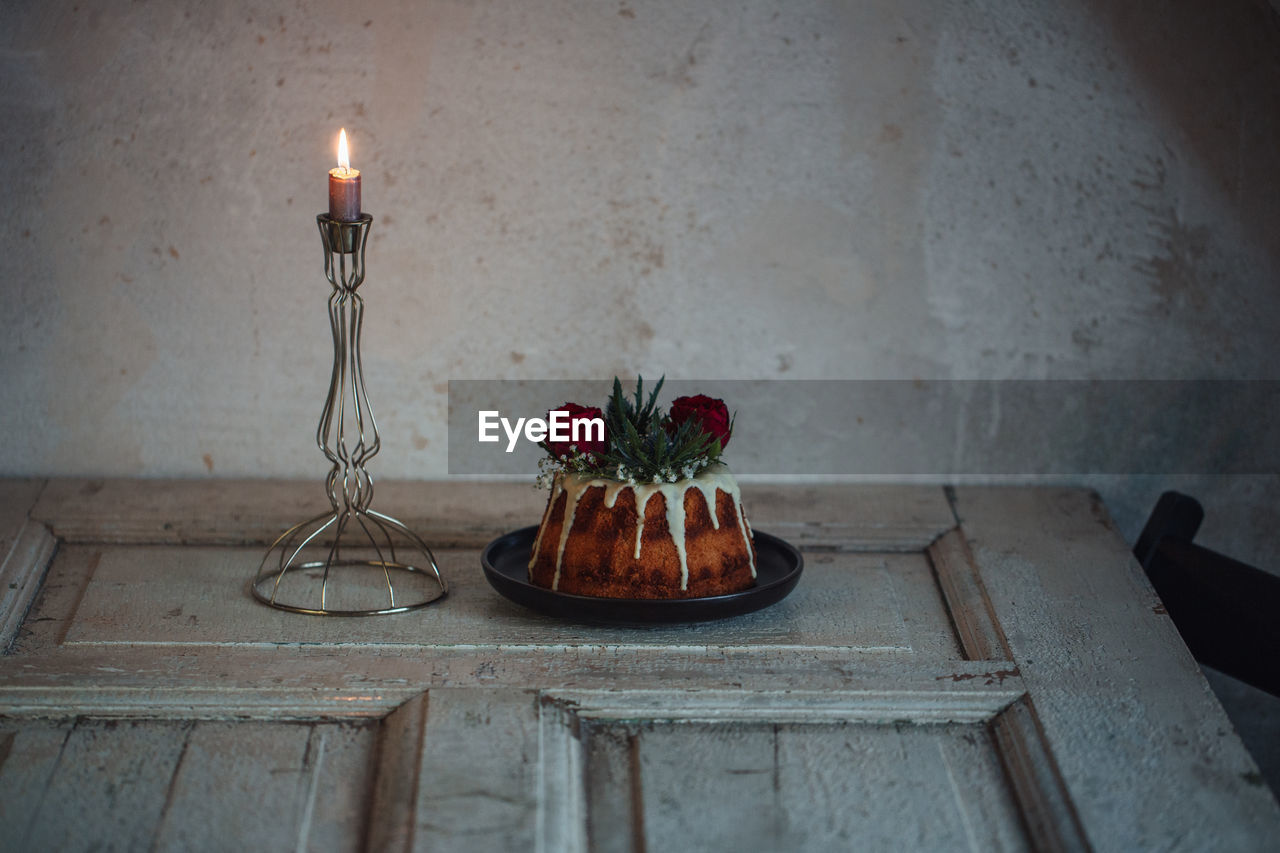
pixel 640 443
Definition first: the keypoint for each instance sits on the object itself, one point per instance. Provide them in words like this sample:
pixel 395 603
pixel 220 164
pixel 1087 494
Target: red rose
pixel 709 413
pixel 591 439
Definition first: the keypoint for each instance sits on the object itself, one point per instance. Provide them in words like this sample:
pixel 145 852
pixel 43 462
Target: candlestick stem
pixel 295 573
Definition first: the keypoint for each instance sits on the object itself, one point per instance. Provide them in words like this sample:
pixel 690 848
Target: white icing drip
pixel 556 489
pixel 675 523
pixel 718 477
pixel 570 507
pixel 611 492
pixel 709 497
pixel 643 494
pixel 708 482
pixel 747 535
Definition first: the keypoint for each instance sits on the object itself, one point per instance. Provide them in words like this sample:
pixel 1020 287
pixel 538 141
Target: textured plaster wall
pixel 758 189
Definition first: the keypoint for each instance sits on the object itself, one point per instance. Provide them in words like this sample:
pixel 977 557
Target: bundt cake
pixel 614 539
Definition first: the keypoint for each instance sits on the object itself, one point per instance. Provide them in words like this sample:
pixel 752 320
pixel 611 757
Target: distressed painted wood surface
pixel 831 786
pixel 863 602
pixel 456 515
pixel 25 549
pixel 1000 684
pixel 1141 743
pixel 238 512
pixel 184 785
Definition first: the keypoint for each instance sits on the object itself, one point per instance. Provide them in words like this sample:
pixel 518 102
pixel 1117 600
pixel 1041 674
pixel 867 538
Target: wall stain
pixel 1085 336
pixel 1176 276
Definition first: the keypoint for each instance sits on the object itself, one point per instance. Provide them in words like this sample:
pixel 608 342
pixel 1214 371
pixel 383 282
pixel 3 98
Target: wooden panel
pixel 29 754
pixel 863 517
pixel 106 781
pixel 306 684
pixel 1146 754
pixel 967 601
pixel 871 604
pixel 853 714
pixel 269 787
pixel 111 636
pixel 1049 815
pixel 614 792
pixel 562 808
pixel 182 785
pixel 235 512
pixel 21 572
pixel 477 785
pixel 394 800
pixel 458 514
pixel 485 769
pixel 25 550
pixel 492 769
pixel 797 787
pixel 914 699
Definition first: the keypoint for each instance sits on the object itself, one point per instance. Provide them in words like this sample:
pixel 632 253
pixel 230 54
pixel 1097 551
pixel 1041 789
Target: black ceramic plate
pixel 506 565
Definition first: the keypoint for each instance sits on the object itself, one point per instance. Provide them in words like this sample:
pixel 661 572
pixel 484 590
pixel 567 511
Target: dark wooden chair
pixel 1227 612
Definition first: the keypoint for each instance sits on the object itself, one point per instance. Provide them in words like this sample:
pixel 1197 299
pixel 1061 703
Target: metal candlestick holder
pixel 300 570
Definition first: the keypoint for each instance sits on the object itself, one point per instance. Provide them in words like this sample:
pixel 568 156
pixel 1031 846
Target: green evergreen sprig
pixel 620 413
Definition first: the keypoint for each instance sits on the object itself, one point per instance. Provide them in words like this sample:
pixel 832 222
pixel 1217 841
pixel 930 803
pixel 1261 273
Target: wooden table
pixel 982 668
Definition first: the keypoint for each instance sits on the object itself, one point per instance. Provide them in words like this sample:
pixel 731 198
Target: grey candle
pixel 344 186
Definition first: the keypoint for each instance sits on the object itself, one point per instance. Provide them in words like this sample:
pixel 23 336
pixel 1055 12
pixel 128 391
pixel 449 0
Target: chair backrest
pixel 1175 515
pixel 1227 612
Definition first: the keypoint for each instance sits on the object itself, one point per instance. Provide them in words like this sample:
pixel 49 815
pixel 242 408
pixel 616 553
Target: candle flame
pixel 344 161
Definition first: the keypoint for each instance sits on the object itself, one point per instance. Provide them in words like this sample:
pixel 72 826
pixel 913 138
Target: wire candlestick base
pixel 300 571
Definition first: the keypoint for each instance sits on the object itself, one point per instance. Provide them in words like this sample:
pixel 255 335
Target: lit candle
pixel 344 186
